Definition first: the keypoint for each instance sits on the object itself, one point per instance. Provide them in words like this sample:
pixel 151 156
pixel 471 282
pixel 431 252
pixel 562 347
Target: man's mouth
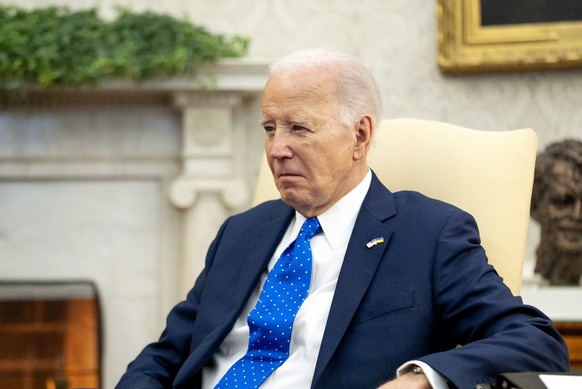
pixel 288 174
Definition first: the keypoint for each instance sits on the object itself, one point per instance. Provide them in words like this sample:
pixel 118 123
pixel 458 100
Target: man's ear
pixel 364 133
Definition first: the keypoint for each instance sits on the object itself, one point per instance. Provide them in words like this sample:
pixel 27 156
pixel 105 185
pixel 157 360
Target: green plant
pixel 54 47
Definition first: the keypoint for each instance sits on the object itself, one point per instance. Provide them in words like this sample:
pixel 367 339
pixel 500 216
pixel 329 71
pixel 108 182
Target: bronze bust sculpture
pixel 557 206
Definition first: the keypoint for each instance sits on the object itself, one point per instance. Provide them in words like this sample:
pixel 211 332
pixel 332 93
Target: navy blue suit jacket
pixel 426 293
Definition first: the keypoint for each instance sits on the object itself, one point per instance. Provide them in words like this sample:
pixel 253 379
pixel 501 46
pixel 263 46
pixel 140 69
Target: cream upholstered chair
pixel 489 174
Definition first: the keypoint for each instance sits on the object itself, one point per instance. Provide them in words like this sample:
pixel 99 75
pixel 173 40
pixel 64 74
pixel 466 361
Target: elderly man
pixel 341 283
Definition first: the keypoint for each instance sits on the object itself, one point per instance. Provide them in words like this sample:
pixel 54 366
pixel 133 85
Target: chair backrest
pixel 487 173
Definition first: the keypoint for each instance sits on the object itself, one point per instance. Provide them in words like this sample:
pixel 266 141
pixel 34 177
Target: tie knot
pixel 310 227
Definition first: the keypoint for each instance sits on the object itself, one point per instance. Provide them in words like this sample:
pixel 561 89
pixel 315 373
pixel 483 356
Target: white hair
pixel 358 91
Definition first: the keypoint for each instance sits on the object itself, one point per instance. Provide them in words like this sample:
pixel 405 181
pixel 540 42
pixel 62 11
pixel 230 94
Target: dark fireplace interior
pixel 50 335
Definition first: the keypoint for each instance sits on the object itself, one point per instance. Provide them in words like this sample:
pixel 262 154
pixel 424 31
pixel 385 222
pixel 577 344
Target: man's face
pixel 562 222
pixel 312 156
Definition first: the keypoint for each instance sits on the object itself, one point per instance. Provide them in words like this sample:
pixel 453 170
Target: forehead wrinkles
pixel 299 99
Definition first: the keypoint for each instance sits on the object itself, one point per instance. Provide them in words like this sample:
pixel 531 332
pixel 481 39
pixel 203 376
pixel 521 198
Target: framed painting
pixel 506 35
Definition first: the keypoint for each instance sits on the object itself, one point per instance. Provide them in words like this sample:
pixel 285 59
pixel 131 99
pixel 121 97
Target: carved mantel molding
pixel 242 77
pixel 211 187
pixel 218 107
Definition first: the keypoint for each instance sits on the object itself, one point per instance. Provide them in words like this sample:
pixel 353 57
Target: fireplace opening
pixel 50 335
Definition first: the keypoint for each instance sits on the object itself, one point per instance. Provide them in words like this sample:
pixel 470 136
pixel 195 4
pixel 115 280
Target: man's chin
pixel 292 197
pixel 289 198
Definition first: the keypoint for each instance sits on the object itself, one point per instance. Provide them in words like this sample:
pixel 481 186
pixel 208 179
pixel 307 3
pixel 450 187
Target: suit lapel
pixel 358 269
pixel 257 249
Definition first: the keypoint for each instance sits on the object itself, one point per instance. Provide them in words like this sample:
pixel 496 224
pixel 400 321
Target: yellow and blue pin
pixel 375 242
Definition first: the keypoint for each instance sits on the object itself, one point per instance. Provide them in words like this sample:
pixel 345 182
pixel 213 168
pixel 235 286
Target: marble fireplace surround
pixel 125 185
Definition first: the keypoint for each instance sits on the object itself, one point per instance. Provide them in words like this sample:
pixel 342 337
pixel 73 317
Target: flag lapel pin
pixel 375 242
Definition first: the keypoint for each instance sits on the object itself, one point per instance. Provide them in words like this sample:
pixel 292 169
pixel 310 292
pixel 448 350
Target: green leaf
pixel 56 47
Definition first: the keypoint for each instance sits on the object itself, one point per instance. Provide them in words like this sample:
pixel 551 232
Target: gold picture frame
pixel 467 46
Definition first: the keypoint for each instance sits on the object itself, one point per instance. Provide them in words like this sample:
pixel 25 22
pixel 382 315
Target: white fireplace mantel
pixel 126 184
pixel 218 108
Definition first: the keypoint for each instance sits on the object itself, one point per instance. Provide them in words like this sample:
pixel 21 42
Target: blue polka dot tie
pixel 271 321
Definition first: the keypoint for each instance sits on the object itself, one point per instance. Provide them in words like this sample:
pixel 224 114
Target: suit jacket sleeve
pixel 494 331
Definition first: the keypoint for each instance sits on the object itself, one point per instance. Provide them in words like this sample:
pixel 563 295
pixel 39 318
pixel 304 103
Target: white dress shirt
pixel 328 251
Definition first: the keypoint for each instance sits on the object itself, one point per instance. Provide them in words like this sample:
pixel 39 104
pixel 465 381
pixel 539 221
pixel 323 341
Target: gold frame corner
pixel 465 46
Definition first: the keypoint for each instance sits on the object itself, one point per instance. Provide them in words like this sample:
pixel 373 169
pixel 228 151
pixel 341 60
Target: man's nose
pixel 280 146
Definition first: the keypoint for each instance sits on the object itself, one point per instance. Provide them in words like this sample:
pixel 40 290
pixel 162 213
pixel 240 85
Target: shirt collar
pixel 338 222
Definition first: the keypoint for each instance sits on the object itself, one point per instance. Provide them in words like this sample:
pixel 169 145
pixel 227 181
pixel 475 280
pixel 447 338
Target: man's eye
pixel 298 128
pixel 269 129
